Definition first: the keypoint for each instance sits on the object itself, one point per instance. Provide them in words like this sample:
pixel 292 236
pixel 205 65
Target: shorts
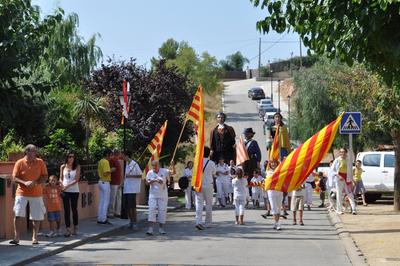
pixel 297 203
pixel 36 207
pixel 359 188
pixel 130 200
pixel 54 216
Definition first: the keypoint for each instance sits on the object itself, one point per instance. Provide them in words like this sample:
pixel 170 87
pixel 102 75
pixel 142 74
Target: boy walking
pixel 297 204
pixel 52 195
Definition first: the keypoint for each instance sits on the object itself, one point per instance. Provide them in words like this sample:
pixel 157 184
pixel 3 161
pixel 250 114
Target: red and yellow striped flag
pixel 196 114
pixel 295 168
pixel 155 145
pixel 241 152
pixel 274 153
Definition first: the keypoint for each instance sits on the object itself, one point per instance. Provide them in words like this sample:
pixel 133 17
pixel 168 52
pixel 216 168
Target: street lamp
pixel 288 98
pixel 279 96
pixel 272 95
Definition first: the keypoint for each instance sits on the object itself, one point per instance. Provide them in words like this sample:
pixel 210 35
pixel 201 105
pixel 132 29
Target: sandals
pixel 301 223
pixel 14 242
pixel 294 223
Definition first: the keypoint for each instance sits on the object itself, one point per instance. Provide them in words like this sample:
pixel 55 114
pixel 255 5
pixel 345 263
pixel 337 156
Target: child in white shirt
pixel 297 203
pixel 256 190
pixel 239 195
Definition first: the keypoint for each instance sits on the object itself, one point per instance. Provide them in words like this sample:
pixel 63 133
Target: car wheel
pixel 372 197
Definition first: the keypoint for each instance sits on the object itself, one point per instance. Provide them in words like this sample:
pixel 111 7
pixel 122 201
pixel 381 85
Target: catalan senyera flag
pixel 295 168
pixel 196 114
pixel 274 153
pixel 241 152
pixel 155 145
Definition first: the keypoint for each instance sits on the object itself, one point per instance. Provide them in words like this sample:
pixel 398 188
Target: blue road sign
pixel 350 123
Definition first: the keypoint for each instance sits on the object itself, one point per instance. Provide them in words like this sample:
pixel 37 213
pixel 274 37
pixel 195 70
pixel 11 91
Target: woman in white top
pixel 70 173
pixel 189 193
pixel 275 197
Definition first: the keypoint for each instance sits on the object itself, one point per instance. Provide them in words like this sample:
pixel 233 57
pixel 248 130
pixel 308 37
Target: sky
pixel 133 28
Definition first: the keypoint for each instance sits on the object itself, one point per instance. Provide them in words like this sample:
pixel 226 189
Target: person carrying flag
pixel 279 128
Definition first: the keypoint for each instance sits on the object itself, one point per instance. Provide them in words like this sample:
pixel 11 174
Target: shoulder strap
pixel 206 165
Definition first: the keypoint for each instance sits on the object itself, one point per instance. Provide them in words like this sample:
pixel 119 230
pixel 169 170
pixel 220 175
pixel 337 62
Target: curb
pixel 82 241
pixel 354 254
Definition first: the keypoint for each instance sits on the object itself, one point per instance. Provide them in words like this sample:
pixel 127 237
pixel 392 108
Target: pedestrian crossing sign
pixel 350 123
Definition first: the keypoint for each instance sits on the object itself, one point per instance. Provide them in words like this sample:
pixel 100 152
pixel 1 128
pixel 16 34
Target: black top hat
pixel 248 130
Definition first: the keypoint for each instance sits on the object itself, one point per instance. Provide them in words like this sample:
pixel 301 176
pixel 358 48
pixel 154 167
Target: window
pixel 372 160
pixel 388 160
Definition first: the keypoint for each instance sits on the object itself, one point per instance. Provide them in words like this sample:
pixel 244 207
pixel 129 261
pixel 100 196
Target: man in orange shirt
pixel 29 172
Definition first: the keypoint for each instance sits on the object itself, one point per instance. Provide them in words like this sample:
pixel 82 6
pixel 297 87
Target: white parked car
pixel 378 173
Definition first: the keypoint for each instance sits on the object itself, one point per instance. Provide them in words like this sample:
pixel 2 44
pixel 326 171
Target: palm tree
pixel 89 108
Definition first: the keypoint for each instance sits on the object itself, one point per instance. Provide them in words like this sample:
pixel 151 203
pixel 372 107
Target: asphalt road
pixel 255 243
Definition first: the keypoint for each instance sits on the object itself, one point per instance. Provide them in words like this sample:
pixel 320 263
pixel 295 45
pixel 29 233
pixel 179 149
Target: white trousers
pixel 189 197
pixel 275 199
pixel 158 206
pixel 256 193
pixel 308 197
pixel 114 208
pixel 222 189
pixel 239 206
pixel 205 196
pixel 331 203
pixel 104 200
pixel 340 186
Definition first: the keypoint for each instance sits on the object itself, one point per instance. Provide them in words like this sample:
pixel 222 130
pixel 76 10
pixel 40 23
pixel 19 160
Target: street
pixel 225 243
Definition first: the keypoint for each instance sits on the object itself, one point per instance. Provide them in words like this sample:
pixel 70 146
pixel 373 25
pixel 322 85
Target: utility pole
pixel 301 56
pixel 259 58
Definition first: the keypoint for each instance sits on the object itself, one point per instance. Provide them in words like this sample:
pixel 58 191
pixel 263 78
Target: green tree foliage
pixel 89 109
pixel 9 144
pixel 329 88
pixel 234 62
pixel 37 56
pixel 351 30
pixel 158 95
pixel 59 145
pixel 202 69
pixel 169 49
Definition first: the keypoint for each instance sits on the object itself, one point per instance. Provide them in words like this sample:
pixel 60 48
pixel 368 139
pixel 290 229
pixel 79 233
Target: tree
pixel 158 95
pixel 169 49
pixel 200 70
pixel 89 108
pixel 234 62
pixel 351 30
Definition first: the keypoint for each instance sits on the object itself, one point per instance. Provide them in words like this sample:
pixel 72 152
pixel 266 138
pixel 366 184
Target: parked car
pixel 266 109
pixel 378 173
pixel 257 93
pixel 264 102
pixel 250 92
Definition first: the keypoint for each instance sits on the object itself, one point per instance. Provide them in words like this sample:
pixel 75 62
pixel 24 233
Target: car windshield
pixel 270 109
pixel 265 101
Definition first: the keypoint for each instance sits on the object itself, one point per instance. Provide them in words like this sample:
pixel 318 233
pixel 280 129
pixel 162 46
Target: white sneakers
pixel 150 231
pixel 277 226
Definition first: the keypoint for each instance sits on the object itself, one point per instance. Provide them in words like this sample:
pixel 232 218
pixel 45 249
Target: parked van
pixel 378 173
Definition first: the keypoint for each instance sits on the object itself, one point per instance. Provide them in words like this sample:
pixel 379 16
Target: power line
pixel 269 47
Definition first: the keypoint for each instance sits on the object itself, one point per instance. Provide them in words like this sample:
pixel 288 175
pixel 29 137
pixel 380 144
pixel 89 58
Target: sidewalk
pixel 375 231
pixel 89 231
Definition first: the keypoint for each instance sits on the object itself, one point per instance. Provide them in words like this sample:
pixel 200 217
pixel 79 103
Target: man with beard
pixel 222 141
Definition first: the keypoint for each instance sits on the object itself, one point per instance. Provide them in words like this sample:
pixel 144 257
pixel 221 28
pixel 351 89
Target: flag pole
pixel 180 136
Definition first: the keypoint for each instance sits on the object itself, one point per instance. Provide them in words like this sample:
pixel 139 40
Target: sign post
pixel 350 124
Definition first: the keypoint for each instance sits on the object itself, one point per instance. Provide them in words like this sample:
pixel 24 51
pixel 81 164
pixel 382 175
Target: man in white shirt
pixel 132 182
pixel 158 197
pixel 206 194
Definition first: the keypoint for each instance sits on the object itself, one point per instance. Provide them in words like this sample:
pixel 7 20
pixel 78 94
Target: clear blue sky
pixel 133 28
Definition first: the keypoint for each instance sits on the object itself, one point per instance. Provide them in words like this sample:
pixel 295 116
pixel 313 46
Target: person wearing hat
pixel 222 141
pixel 254 152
